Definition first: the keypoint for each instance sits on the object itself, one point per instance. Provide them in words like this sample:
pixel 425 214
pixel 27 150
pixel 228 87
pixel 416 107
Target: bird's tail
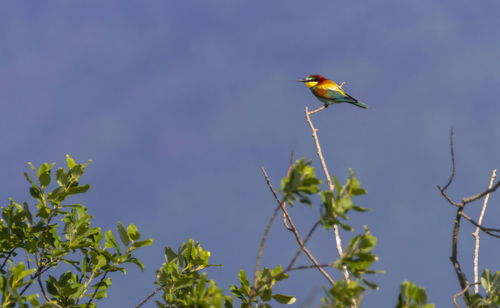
pixel 352 100
pixel 359 104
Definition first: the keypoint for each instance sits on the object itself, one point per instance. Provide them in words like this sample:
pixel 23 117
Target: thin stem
pixel 453 168
pixel 302 267
pixel 96 289
pixel 454 252
pixel 45 294
pixel 9 254
pixel 462 292
pixel 299 251
pixel 263 242
pixel 331 187
pixel 295 232
pixel 149 296
pixel 267 229
pixel 476 233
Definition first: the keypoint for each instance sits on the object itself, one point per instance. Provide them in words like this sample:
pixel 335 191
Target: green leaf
pixel 78 189
pixel 170 254
pixel 43 174
pixel 284 299
pixel 133 232
pixel 144 243
pixel 70 161
pixel 111 242
pixel 62 177
pixel 123 234
pixel 136 262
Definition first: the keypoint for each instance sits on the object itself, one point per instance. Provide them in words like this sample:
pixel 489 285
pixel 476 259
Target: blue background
pixel 179 103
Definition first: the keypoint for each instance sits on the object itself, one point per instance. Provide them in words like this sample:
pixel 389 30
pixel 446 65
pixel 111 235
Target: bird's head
pixel 312 80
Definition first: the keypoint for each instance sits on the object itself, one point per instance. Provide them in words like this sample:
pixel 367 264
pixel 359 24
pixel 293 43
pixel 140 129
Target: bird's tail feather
pixel 359 104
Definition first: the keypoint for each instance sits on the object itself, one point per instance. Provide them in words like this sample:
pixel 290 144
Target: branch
pixel 480 195
pixel 295 232
pixel 297 254
pixel 331 187
pixel 302 267
pixel 9 254
pixel 456 226
pixel 462 292
pixel 268 228
pixel 454 254
pixel 317 110
pixel 476 233
pixel 45 294
pixel 453 169
pixel 96 289
pixel 149 296
pixel 489 231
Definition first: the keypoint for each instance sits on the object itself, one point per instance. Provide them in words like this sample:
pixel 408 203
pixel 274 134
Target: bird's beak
pixel 301 80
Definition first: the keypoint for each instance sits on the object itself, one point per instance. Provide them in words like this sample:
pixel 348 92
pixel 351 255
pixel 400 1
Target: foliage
pixel 51 256
pixel 56 238
pixel 262 292
pixel 412 296
pixel 182 282
pixel 301 184
pixel 491 286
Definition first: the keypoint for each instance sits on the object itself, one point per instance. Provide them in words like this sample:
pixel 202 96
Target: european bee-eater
pixel 328 92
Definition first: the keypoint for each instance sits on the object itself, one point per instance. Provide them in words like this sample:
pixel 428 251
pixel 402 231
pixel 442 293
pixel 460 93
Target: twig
pixel 7 258
pixel 295 232
pixel 268 228
pixel 454 252
pixel 453 168
pixel 52 302
pixel 263 242
pixel 149 296
pixel 318 109
pixel 462 292
pixel 489 231
pixel 302 267
pixel 456 226
pixel 96 289
pixel 480 195
pixel 331 187
pixel 297 254
pixel 476 233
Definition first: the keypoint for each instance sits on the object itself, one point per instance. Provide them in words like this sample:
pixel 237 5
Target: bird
pixel 328 92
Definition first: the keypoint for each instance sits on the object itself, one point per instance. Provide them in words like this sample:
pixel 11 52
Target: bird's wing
pixel 336 93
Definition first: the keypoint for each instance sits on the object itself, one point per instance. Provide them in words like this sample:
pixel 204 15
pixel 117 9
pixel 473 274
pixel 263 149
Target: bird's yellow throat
pixel 311 84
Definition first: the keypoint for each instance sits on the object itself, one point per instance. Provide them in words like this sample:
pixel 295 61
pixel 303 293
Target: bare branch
pixel 452 152
pixel 480 195
pixel 454 252
pixel 317 110
pixel 462 292
pixel 263 242
pixel 45 294
pixel 489 231
pixel 149 296
pixel 297 254
pixel 331 187
pixel 96 289
pixel 295 232
pixel 476 233
pixel 302 267
pixel 268 228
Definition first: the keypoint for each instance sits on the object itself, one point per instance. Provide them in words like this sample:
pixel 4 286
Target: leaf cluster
pixel 182 282
pixel 491 286
pixel 412 296
pixel 58 235
pixel 261 292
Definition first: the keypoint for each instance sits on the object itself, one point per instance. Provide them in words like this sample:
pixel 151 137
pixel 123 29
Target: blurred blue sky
pixel 179 103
